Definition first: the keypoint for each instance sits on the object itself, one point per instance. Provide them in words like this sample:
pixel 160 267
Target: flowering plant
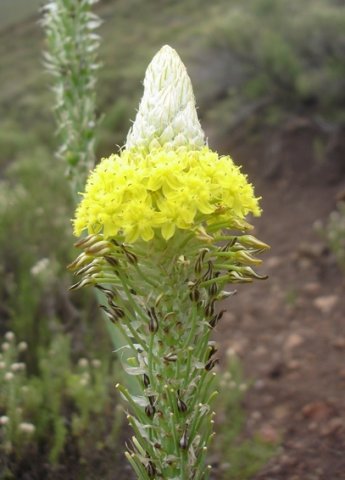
pixel 165 219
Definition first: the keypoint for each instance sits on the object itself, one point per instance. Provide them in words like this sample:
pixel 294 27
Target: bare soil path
pixel 289 331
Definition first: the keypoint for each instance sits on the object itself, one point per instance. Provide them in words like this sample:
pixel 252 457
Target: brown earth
pixel 289 331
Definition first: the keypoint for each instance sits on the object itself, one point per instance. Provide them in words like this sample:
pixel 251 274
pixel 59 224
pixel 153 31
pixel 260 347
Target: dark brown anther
pixel 184 441
pixel 214 320
pixel 157 445
pixel 150 410
pixel 209 309
pixel 209 271
pixel 211 363
pixel 212 351
pixel 153 322
pixel 151 469
pixel 151 399
pixel 146 381
pixel 133 292
pixel 182 407
pixel 111 260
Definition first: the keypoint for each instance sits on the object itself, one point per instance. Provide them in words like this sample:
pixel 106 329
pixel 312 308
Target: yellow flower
pixel 140 194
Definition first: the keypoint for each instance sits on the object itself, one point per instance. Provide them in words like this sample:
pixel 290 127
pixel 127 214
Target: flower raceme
pixel 141 194
pixel 167 234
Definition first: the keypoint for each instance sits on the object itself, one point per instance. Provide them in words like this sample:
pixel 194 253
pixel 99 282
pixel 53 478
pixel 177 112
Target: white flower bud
pixel 2 365
pixel 26 427
pixel 39 266
pixel 83 362
pixel 85 379
pixel 17 367
pixel 96 363
pixel 8 376
pixel 167 114
pixel 9 336
pixel 5 346
pixel 22 346
pixel 4 420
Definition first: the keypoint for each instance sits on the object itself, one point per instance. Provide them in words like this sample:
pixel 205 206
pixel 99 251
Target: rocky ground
pixel 289 331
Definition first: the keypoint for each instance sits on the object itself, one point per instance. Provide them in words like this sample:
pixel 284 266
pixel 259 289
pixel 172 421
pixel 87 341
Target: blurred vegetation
pixel 289 55
pixel 65 402
pixel 248 60
pixel 333 233
pixel 241 455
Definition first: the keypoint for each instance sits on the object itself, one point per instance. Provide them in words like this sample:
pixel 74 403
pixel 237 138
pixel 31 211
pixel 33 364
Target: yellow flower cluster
pixel 140 194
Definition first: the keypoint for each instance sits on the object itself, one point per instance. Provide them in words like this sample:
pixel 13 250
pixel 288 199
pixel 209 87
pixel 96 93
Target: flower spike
pixel 158 215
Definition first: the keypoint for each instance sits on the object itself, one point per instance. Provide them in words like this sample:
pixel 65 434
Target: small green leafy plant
pixel 63 401
pixel 240 457
pixel 334 233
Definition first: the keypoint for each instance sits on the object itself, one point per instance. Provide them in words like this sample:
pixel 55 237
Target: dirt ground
pixel 289 331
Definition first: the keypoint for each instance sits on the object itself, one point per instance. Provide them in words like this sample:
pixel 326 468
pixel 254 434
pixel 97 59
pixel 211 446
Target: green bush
pixel 334 233
pixel 241 457
pixel 66 400
pixel 288 51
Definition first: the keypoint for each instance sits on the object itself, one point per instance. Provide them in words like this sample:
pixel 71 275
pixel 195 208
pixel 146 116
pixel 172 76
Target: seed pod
pixel 211 363
pixel 153 322
pixel 200 260
pixel 209 309
pixel 182 407
pixel 109 314
pixel 130 256
pixel 194 294
pixel 118 312
pixel 151 469
pixel 146 380
pixel 89 240
pixel 109 293
pixel 228 245
pixel 209 271
pixel 215 319
pixel 150 410
pixel 99 248
pixel 213 288
pixel 111 260
pixel 212 351
pixel 253 242
pixel 170 357
pixel 184 440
